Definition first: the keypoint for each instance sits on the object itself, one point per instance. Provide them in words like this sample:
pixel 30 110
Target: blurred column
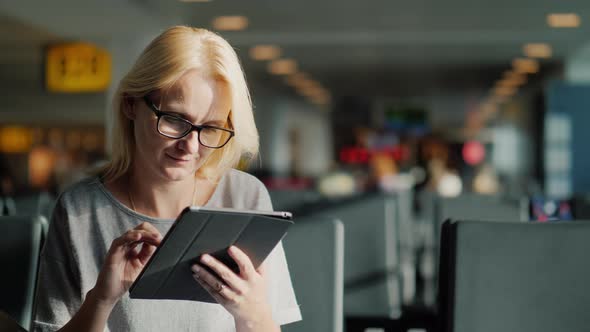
pixel 280 119
pixel 577 66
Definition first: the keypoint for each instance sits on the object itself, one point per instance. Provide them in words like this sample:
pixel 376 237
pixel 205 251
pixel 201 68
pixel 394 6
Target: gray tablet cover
pixel 168 275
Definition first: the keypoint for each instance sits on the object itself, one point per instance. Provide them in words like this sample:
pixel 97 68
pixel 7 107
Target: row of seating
pixel 19 255
pixel 381 240
pixel 32 204
pixel 24 219
pixel 374 265
pixel 511 276
pixel 352 261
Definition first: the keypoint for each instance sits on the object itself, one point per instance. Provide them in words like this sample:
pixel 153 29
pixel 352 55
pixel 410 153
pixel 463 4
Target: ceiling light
pixel 265 52
pixel 514 75
pixel 315 93
pixel 525 65
pixel 497 99
pixel 537 50
pixel 511 81
pixel 563 20
pixel 311 91
pixel 307 83
pixel 504 91
pixel 230 23
pixel 282 67
pixel 320 99
pixel 296 79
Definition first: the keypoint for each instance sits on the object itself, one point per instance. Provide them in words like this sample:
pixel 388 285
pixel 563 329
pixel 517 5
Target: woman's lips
pixel 180 160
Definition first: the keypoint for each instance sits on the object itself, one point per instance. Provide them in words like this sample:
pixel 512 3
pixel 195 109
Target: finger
pixel 216 295
pixel 122 245
pixel 147 227
pixel 225 273
pixel 217 289
pixel 147 250
pixel 244 263
pixel 133 237
pixel 262 270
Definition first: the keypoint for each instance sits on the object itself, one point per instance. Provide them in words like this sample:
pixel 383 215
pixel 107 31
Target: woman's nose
pixel 190 143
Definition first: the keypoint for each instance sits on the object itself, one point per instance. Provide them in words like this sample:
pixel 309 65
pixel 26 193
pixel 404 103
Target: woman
pixel 182 120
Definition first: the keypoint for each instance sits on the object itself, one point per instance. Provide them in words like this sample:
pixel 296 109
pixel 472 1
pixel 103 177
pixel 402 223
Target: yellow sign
pixel 77 67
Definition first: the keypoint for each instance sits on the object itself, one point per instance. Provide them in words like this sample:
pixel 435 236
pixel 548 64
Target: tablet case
pixel 168 275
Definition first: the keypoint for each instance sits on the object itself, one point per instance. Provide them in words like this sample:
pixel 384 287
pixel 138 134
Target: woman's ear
pixel 129 106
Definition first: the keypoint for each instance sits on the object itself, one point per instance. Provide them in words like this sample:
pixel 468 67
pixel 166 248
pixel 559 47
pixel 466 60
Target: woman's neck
pixel 159 199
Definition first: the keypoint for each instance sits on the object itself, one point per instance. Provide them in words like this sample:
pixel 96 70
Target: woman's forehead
pixel 193 93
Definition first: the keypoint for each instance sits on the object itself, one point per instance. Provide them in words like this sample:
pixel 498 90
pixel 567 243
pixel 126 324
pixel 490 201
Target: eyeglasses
pixel 175 127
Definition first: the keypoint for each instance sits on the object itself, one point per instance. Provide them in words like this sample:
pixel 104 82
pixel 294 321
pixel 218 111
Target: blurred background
pixel 421 103
pixel 395 94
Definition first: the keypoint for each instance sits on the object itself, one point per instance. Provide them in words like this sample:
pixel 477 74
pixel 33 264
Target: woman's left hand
pixel 244 295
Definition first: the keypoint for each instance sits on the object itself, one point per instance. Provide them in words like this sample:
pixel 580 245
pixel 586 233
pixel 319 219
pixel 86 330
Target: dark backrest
pixel 22 240
pixel 287 200
pixel 482 207
pixel 315 252
pixel 514 277
pixel 8 206
pixel 40 203
pixel 372 284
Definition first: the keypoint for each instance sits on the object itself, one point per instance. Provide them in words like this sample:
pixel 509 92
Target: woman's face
pixel 195 98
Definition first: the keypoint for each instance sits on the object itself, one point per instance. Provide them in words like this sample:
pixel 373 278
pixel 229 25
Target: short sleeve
pixel 58 295
pixel 281 294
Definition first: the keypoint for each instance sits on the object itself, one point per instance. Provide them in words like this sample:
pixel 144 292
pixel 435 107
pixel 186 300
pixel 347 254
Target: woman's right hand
pixel 124 262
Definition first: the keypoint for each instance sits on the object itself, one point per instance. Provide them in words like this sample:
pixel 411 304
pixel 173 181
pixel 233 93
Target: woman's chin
pixel 178 174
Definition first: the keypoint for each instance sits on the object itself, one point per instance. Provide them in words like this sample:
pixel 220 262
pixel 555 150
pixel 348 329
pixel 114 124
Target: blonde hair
pixel 160 65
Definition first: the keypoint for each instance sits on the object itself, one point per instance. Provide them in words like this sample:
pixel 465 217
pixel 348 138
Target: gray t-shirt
pixel 87 218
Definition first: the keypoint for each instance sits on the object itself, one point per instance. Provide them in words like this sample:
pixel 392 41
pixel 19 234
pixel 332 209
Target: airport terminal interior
pixel 431 152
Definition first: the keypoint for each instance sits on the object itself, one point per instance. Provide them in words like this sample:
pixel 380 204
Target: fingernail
pixel 196 269
pixel 205 258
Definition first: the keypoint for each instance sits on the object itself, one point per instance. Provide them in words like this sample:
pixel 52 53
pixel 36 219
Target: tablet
pixel 197 231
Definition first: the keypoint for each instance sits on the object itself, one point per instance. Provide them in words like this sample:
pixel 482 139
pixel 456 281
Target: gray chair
pixel 9 206
pixel 372 281
pixel 20 247
pixel 315 252
pixel 40 203
pixel 286 200
pixel 514 277
pixel 482 207
pixel 406 239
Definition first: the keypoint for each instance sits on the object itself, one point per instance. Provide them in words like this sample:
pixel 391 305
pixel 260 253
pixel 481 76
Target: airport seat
pixel 8 206
pixel 315 252
pixel 287 200
pixel 372 277
pixel 512 276
pixel 40 203
pixel 20 247
pixel 482 207
pixel 406 229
